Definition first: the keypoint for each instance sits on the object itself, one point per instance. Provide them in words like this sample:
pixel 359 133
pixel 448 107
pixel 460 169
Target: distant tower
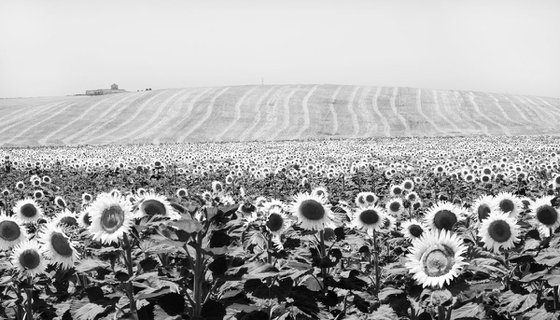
pixel 114 86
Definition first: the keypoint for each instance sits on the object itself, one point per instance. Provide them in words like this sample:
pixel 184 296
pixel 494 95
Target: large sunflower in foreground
pixel 28 258
pixel 435 258
pixel 58 246
pixel 110 218
pixel 313 212
pixel 499 230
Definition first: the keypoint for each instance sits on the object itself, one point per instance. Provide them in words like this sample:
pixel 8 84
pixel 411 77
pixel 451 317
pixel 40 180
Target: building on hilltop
pixel 98 92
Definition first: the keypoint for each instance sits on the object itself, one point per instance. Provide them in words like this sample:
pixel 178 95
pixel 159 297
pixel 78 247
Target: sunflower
pixel 313 212
pixel 217 187
pixel 443 215
pixel 369 218
pixel 413 229
pixel 28 258
pixel 38 194
pixel 546 215
pixel 11 232
pixel 20 185
pixel 27 210
pixel 276 221
pixel 408 185
pixel 412 197
pixel 396 191
pixel 152 204
pixel 483 206
pixel 58 247
pixel 182 193
pixel 60 202
pixel 115 193
pixel 435 258
pixel 86 197
pixel 366 199
pixel 395 207
pixel 110 218
pixel 84 219
pixel 508 203
pixel 140 192
pixel 499 231
pixel 65 218
pixel 320 192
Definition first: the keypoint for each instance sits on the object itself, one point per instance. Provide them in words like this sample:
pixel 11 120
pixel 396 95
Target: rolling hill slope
pixel 271 112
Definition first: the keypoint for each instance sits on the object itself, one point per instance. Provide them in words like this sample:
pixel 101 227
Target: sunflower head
pixel 28 210
pixel 312 211
pixel 58 246
pixel 28 258
pixel 499 231
pixel 442 216
pixel 110 218
pixel 435 258
pixel 370 218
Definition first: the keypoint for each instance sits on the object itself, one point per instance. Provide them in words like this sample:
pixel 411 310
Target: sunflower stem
pixel 376 264
pixel 129 286
pixel 555 295
pixel 441 313
pixel 29 305
pixel 323 255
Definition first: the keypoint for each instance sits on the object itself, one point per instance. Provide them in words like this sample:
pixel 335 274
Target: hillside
pixel 271 113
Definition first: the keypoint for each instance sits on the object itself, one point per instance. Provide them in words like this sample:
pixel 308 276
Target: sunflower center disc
pixel 86 219
pixel 9 230
pixel 369 198
pixel 61 245
pixel 415 230
pixel 483 212
pixel 408 185
pixel 312 210
pixel 445 219
pixel 395 206
pixel 28 210
pixel 397 190
pixel 153 207
pixel 69 221
pixel 547 215
pixel 112 219
pixel 30 259
pixel 506 205
pixel 274 222
pixel 499 230
pixel 369 217
pixel 438 260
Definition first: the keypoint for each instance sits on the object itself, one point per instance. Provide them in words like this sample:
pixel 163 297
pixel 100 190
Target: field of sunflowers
pixel 412 228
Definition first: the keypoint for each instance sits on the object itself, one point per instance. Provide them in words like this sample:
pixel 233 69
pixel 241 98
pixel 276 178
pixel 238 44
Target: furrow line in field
pixel 205 117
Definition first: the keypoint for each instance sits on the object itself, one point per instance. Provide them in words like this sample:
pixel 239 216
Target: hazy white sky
pixel 58 47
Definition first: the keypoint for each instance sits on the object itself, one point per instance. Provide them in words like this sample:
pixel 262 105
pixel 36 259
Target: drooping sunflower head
pixel 65 218
pixel 276 221
pixel 58 246
pixel 110 218
pixel 11 232
pixel 499 230
pixel 217 187
pixel 435 258
pixel 27 210
pixel 313 212
pixel 482 207
pixel 28 258
pixel 443 216
pixel 369 218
